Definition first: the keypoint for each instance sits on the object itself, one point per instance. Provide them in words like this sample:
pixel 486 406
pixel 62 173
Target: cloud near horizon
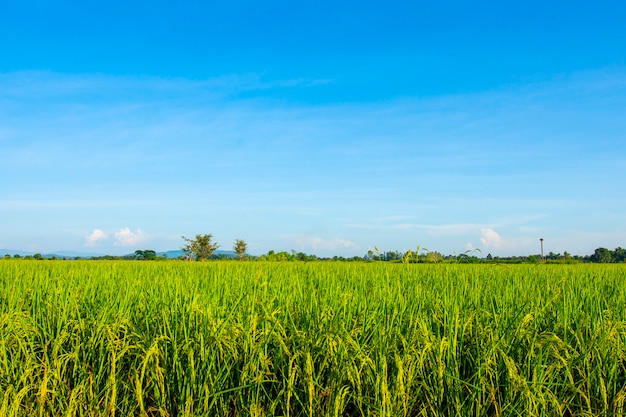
pixel 520 244
pixel 453 168
pixel 491 239
pixel 318 243
pixel 125 237
pixel 95 237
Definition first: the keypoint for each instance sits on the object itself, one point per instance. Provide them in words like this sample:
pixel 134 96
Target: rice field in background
pixel 311 339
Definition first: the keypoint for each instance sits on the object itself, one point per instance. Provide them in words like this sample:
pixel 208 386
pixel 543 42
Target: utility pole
pixel 541 240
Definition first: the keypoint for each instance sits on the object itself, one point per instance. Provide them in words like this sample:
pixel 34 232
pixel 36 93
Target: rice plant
pixel 311 339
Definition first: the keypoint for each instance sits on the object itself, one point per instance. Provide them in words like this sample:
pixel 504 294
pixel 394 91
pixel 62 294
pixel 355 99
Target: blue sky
pixel 313 126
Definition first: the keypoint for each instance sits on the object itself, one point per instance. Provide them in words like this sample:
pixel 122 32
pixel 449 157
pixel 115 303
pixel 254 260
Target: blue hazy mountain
pixel 171 254
pixel 58 254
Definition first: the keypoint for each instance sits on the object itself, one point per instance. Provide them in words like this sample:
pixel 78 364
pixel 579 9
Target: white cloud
pixel 125 237
pixel 511 245
pixel 491 239
pixel 442 229
pixel 344 243
pixel 95 237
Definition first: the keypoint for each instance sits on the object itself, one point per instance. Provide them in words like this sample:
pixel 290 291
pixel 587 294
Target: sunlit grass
pixel 311 339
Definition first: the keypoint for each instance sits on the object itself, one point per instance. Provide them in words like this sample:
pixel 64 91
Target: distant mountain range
pixel 57 254
pixel 171 254
pixel 72 254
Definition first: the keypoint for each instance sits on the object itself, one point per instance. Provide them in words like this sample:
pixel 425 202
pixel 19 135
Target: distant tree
pixel 281 256
pixel 201 248
pixel 7 256
pixel 145 255
pixel 17 256
pixel 301 256
pixel 392 255
pixel 240 247
pixel 434 257
pixel 601 255
pixel 38 256
pixel 619 254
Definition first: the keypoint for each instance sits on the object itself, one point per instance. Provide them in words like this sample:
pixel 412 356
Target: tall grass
pixel 311 339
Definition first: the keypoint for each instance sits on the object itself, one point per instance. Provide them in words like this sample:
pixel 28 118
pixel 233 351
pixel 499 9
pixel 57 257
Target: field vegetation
pixel 243 338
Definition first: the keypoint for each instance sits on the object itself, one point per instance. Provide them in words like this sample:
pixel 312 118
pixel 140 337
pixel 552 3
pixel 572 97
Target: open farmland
pixel 311 339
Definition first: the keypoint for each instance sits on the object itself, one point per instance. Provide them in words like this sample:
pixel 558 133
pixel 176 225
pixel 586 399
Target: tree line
pixel 202 247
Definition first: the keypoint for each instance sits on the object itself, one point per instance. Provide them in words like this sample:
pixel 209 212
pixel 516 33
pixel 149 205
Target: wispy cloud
pixel 451 169
pixel 469 246
pixel 306 242
pixel 43 84
pixel 447 229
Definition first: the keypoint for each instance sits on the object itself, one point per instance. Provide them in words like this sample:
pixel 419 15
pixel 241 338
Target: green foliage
pixel 311 339
pixel 145 255
pixel 434 257
pixel 201 248
pixel 619 255
pixel 292 256
pixel 240 247
pixel 601 255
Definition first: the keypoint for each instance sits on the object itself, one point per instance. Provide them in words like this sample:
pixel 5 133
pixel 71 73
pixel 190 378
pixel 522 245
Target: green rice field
pixel 228 338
